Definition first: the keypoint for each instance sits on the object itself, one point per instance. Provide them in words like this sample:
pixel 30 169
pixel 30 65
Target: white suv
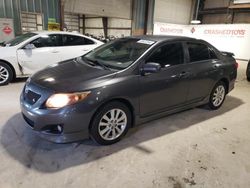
pixel 31 52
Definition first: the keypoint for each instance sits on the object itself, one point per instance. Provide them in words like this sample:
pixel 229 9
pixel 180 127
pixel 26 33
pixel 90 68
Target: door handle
pixel 55 51
pixel 184 74
pixel 215 66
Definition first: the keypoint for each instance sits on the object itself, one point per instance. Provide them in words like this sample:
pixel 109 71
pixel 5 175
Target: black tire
pixel 212 104
pixel 96 128
pixel 248 71
pixel 6 74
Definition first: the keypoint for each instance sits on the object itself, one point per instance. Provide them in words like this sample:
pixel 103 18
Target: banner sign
pixel 6 29
pixel 241 1
pixel 233 38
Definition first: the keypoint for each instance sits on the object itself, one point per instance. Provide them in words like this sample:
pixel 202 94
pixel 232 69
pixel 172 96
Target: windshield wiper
pixel 95 62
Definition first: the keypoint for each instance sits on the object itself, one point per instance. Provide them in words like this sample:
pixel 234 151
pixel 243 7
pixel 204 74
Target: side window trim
pixel 84 38
pixel 30 41
pixel 39 37
pixel 93 42
pixel 60 39
pixel 211 50
pixel 188 54
pixel 168 43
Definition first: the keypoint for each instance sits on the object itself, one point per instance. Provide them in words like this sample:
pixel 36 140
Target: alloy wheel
pixel 112 124
pixel 218 95
pixel 4 74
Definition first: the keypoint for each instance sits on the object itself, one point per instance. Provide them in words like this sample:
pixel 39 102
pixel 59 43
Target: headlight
pixel 28 80
pixel 63 99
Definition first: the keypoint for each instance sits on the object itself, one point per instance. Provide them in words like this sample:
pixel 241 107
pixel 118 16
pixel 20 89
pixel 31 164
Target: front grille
pixel 31 97
pixel 30 122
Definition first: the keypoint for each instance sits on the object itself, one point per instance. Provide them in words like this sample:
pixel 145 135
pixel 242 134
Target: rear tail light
pixel 236 65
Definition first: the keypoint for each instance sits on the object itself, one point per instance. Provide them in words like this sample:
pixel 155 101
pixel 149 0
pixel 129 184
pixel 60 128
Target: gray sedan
pixel 124 83
pixel 248 71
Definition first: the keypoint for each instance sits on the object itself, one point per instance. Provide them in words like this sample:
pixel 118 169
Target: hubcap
pixel 4 74
pixel 112 124
pixel 218 95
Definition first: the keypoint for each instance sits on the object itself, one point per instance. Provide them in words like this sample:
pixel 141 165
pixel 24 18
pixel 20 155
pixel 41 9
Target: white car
pixel 31 52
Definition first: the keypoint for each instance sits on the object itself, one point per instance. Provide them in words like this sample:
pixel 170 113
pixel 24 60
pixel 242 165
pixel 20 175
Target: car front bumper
pixel 39 123
pixel 73 120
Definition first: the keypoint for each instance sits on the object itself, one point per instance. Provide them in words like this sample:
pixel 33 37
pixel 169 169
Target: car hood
pixel 71 76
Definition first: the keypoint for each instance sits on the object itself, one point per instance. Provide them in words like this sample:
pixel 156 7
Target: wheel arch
pixel 226 82
pixel 11 66
pixel 121 100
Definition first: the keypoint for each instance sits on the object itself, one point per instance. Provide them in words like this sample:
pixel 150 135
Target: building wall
pixel 13 8
pixel 225 12
pixel 117 12
pixel 216 19
pixel 173 11
pixel 243 17
pixel 119 27
pixel 216 4
pixel 107 8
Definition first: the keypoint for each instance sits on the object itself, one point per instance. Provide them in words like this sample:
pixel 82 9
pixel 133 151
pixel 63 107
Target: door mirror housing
pixel 150 67
pixel 29 47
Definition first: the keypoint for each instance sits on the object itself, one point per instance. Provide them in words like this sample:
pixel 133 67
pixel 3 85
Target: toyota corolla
pixel 124 83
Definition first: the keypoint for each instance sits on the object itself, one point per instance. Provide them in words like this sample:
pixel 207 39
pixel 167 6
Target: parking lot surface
pixel 194 148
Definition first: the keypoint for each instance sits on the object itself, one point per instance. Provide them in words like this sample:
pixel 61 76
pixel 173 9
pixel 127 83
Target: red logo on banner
pixel 7 30
pixel 193 30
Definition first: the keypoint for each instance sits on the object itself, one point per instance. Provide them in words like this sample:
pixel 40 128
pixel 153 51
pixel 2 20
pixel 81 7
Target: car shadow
pixel 33 152
pixel 18 80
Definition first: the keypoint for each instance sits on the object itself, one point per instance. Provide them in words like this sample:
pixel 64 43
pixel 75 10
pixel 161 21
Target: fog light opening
pixel 59 128
pixel 53 129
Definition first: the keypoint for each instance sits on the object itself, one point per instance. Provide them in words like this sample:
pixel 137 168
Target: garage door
pixel 107 8
pixel 31 22
pixel 73 22
pixel 116 27
pixel 173 11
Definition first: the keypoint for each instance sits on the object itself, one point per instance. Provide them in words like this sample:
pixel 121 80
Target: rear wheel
pixel 248 71
pixel 6 74
pixel 110 123
pixel 217 96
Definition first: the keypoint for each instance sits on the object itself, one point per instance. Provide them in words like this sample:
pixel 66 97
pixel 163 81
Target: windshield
pixel 119 54
pixel 19 39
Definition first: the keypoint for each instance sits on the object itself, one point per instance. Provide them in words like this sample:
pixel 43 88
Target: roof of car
pixel 65 33
pixel 55 32
pixel 160 38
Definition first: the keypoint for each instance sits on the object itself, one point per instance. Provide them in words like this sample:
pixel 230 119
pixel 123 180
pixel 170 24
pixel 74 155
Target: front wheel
pixel 110 123
pixel 6 74
pixel 217 96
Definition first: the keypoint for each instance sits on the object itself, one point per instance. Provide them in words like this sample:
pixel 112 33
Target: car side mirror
pixel 29 47
pixel 150 67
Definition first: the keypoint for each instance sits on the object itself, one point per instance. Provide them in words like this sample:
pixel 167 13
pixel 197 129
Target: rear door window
pixel 72 40
pixel 168 55
pixel 53 40
pixel 200 52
